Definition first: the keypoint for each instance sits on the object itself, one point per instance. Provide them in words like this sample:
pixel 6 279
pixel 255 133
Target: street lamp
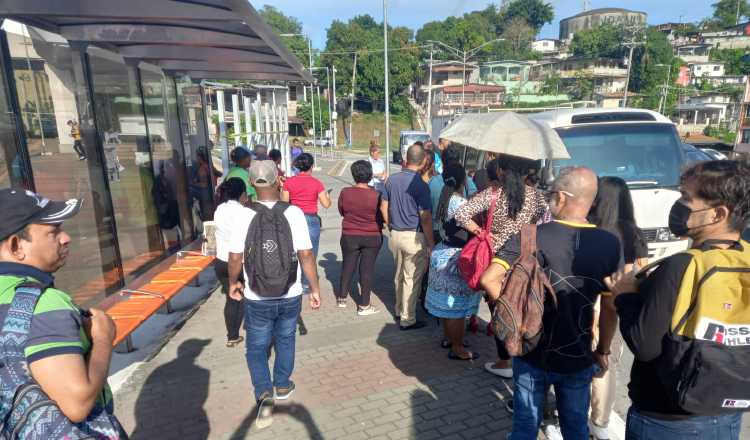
pixel 312 89
pixel 466 54
pixel 664 91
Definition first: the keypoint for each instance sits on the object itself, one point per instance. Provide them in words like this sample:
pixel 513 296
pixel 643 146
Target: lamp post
pixel 429 95
pixel 466 54
pixel 312 84
pixel 664 90
pixel 387 90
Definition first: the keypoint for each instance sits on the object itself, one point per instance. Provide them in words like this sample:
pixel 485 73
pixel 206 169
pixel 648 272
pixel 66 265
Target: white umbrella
pixel 506 133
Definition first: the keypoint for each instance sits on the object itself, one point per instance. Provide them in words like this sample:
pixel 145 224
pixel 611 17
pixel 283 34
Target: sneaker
pixel 505 373
pixel 509 406
pixel 552 432
pixel 81 157
pixel 341 303
pixel 598 432
pixel 415 326
pixel 283 393
pixel 264 418
pixel 367 311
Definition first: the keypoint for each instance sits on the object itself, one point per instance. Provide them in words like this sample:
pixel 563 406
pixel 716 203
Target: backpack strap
pixel 528 240
pixel 280 207
pixel 17 323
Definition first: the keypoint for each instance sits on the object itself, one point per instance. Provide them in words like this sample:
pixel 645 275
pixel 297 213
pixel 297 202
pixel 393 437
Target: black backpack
pixel 270 259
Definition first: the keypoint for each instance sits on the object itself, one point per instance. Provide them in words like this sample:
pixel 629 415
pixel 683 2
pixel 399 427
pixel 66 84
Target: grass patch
pixel 364 125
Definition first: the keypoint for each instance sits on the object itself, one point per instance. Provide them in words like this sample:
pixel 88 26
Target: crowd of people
pixel 685 319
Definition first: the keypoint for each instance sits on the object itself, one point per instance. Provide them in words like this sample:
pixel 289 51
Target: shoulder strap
pixel 280 207
pixel 18 320
pixel 258 207
pixel 491 214
pixel 528 240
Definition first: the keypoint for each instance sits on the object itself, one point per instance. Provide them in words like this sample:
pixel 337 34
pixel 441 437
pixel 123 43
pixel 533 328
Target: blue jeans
pixel 573 393
pixel 273 320
pixel 725 427
pixel 313 226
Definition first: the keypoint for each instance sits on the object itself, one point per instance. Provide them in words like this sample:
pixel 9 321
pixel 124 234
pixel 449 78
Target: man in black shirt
pixel 713 210
pixel 576 256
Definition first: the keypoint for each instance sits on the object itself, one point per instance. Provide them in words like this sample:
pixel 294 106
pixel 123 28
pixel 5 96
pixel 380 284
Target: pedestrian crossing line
pixel 339 168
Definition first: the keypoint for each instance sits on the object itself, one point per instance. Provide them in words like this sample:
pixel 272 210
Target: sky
pixel 317 15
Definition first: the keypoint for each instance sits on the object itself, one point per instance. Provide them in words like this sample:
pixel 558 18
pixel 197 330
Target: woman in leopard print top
pixel 517 203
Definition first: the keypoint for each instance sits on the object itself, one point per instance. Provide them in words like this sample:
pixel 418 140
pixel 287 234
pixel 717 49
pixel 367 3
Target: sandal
pixel 447 344
pixel 455 357
pixel 233 342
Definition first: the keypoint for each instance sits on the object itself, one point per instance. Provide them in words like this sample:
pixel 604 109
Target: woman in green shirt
pixel 241 159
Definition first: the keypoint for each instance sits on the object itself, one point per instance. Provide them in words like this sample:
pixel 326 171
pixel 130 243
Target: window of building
pixel 12 169
pixel 292 93
pixel 717 68
pixel 65 157
pixel 746 136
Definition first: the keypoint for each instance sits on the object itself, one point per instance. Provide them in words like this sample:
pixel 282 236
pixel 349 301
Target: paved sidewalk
pixel 356 377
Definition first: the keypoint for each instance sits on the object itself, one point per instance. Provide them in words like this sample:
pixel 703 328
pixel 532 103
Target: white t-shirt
pixel 226 217
pixel 300 241
pixel 378 166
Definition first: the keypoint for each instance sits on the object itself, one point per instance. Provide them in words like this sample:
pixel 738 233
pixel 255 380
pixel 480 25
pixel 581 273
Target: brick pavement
pixel 356 377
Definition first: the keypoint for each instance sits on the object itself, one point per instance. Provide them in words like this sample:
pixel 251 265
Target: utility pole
pixel 335 110
pixel 737 20
pixel 330 110
pixel 429 95
pixel 320 119
pixel 351 113
pixel 463 85
pixel 387 90
pixel 632 44
pixel 665 89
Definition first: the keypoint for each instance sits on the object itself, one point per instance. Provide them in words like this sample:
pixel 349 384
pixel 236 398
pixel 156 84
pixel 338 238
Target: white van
pixel 640 146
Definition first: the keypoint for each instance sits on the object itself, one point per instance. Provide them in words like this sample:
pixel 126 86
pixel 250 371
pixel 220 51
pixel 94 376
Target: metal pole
pixel 236 119
pixel 276 139
pixel 463 85
pixel 335 111
pixel 387 89
pixel 320 120
pixel 429 96
pixel 627 80
pixel 248 120
pixel 351 112
pixel 222 130
pixel 258 128
pixel 330 110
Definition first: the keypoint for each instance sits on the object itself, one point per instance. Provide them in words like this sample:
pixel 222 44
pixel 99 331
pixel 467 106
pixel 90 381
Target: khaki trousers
pixel 409 249
pixel 604 389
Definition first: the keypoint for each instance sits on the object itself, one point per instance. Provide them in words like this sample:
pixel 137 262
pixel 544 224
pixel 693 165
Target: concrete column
pixel 248 120
pixel 236 118
pixel 222 131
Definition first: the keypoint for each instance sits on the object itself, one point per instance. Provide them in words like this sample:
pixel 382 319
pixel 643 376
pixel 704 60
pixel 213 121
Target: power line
pixel 366 51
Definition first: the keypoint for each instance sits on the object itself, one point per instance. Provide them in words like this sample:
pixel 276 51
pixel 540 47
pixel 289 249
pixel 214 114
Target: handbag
pixel 26 411
pixel 476 256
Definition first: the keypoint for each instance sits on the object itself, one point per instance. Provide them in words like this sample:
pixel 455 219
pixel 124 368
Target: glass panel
pixel 57 120
pixel 12 171
pixel 195 140
pixel 122 126
pixel 169 179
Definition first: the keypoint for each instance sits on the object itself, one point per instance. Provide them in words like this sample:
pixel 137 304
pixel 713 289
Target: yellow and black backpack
pixel 705 362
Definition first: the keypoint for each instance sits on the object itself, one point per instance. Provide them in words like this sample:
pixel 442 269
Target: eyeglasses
pixel 549 193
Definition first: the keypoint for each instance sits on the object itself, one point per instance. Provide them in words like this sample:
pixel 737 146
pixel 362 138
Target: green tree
pixel 535 12
pixel 365 36
pixel 519 34
pixel 736 61
pixel 601 41
pixel 650 67
pixel 552 85
pixel 283 24
pixel 304 111
pixel 725 12
pixel 582 88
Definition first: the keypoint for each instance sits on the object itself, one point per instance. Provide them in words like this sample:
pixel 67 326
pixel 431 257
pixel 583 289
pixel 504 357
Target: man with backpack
pixel 54 356
pixel 270 242
pixel 688 322
pixel 547 316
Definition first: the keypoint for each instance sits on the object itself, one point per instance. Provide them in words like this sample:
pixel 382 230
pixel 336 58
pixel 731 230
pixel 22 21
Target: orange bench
pixel 132 307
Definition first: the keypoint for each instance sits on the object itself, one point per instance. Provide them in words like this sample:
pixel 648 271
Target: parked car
pixel 693 155
pixel 407 139
pixel 715 154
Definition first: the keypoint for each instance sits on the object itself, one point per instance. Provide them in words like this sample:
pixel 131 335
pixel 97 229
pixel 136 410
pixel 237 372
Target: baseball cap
pixel 19 208
pixel 263 173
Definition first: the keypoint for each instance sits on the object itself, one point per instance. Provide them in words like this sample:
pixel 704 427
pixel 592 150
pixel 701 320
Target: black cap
pixel 19 208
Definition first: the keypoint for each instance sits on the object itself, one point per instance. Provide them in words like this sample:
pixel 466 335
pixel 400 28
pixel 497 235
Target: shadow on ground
pixel 293 410
pixel 180 380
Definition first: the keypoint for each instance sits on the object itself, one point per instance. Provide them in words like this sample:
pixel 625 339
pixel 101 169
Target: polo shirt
pixel 407 194
pixel 576 258
pixel 57 323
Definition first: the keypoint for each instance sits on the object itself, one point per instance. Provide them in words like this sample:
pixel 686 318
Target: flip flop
pixel 453 356
pixel 446 344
